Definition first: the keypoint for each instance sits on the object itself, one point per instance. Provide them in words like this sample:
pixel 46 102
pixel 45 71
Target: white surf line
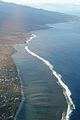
pixel 66 91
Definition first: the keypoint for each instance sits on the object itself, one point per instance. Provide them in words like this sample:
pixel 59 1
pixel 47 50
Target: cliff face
pixel 23 18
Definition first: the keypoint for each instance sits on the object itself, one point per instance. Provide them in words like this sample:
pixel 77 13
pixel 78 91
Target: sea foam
pixel 66 91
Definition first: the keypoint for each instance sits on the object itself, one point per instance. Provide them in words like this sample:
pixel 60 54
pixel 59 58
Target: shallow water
pixel 44 99
pixel 61 46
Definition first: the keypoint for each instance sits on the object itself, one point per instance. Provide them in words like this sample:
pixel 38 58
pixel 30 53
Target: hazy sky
pixel 44 1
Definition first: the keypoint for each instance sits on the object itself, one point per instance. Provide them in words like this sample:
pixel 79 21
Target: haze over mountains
pixel 23 18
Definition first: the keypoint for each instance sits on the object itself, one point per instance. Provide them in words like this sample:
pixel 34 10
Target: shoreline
pixel 64 115
pixel 23 98
pixel 55 87
pixel 51 68
pixel 14 51
pixel 10 86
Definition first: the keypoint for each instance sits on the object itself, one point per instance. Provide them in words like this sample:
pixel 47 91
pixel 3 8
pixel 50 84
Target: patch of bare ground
pixel 10 87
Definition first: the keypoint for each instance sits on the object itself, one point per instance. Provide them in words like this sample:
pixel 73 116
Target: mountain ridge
pixel 25 18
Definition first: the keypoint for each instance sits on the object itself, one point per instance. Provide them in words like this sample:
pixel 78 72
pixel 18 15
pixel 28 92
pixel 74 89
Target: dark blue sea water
pixel 61 46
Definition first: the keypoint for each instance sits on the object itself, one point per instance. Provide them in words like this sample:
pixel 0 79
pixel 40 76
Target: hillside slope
pixel 20 18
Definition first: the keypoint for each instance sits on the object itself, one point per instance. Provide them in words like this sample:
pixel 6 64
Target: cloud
pixel 44 1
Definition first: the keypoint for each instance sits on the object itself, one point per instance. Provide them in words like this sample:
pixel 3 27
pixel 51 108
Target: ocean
pixel 60 46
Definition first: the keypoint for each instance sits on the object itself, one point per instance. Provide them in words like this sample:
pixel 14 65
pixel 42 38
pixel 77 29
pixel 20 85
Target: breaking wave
pixel 67 93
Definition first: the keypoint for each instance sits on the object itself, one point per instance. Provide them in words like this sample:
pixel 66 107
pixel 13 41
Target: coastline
pixel 63 115
pixel 22 98
pixel 15 95
pixel 10 86
pixel 20 80
pixel 14 52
